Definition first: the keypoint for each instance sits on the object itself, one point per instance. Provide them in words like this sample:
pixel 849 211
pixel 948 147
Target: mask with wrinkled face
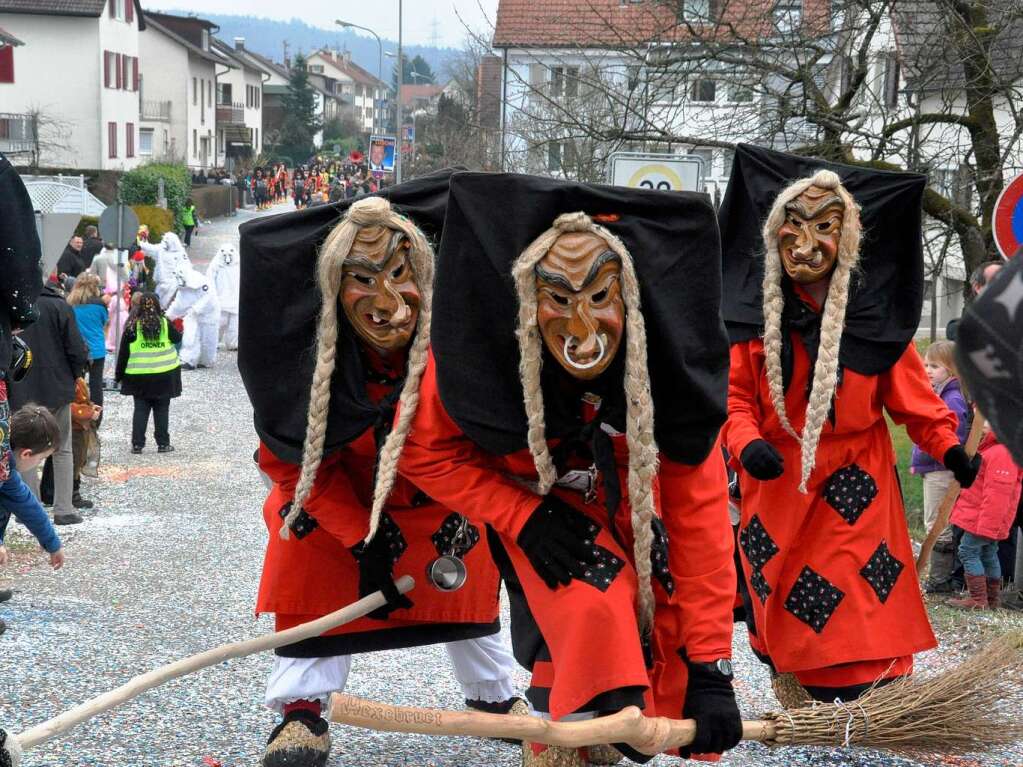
pixel 379 293
pixel 580 310
pixel 808 240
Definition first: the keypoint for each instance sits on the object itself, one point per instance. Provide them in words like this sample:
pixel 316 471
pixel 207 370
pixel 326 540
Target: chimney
pixel 239 43
pixel 347 58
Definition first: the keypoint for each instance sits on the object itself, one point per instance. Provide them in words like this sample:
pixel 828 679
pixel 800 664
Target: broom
pixel 968 708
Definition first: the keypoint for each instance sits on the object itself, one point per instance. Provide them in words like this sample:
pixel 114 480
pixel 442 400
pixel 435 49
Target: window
pixel 316 68
pixel 195 143
pixel 117 10
pixel 195 92
pixel 564 81
pixel 224 94
pixel 727 158
pixel 129 139
pixel 7 64
pixel 112 141
pixel 788 16
pixel 145 141
pixel 707 155
pixel 891 80
pixel 209 92
pixel 554 156
pixel 697 11
pixel 703 90
pixel 129 11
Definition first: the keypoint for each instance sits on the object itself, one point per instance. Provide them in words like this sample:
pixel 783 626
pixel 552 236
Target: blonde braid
pixel 643 452
pixel 825 373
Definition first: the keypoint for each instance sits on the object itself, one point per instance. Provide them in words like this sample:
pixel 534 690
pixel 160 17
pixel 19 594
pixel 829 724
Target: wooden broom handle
pixel 945 510
pixel 648 735
pixel 139 684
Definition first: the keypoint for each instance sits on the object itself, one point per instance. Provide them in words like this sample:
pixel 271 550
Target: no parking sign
pixel 1008 222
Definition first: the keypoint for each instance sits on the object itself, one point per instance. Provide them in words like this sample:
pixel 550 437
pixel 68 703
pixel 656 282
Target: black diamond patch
pixel 444 538
pixel 390 533
pixel 659 556
pixel 881 571
pixel 760 586
pixel 813 599
pixel 604 571
pixel 757 544
pixel 849 491
pixel 302 525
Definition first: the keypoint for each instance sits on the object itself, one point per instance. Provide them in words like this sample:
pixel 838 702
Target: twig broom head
pixel 969 708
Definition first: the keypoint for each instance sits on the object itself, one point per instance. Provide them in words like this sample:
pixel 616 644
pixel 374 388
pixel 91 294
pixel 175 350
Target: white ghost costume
pixel 225 273
pixel 196 301
pixel 168 255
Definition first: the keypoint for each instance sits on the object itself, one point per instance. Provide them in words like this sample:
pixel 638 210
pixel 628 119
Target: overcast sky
pixel 379 15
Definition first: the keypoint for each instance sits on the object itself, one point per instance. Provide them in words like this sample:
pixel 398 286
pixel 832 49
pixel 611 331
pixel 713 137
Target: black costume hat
pixel 673 240
pixel 279 307
pixel 886 296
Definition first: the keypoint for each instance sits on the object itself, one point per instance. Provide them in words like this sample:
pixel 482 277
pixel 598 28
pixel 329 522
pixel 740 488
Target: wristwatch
pixel 721 666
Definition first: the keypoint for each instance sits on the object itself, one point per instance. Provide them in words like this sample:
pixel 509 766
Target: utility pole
pixel 435 32
pixel 401 81
pixel 284 44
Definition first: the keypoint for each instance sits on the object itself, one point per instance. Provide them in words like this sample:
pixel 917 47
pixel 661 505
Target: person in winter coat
pixel 986 511
pixel 940 364
pixel 225 273
pixel 196 303
pixel 72 261
pixel 59 357
pixel 148 370
pixel 168 255
pixel 20 282
pixel 91 315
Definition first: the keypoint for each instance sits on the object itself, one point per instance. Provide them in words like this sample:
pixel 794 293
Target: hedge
pixel 158 220
pixel 84 222
pixel 140 187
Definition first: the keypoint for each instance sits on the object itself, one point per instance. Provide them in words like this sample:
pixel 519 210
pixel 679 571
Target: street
pixel 168 564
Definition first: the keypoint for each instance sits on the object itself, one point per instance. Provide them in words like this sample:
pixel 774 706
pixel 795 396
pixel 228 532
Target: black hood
pixel 278 311
pixel 886 295
pixel 673 239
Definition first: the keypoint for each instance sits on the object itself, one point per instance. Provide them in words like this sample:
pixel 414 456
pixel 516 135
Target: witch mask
pixel 809 237
pixel 379 293
pixel 580 310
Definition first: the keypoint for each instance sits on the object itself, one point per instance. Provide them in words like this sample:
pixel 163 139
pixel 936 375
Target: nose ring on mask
pixel 593 363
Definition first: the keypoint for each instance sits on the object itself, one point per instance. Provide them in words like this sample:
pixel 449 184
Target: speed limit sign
pixel 667 172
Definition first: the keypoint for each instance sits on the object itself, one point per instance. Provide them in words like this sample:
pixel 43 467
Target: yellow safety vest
pixel 151 357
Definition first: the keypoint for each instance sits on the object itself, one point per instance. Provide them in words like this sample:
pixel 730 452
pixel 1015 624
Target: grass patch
pixel 912 484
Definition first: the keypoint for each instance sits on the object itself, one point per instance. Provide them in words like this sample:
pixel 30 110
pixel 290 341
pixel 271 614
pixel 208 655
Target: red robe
pixel 305 578
pixel 592 635
pixel 831 573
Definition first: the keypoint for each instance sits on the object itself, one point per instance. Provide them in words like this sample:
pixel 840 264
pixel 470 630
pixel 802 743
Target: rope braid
pixel 372 211
pixel 643 452
pixel 825 372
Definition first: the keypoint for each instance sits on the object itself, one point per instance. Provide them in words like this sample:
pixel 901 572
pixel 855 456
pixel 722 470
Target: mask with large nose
pixel 808 240
pixel 580 310
pixel 379 293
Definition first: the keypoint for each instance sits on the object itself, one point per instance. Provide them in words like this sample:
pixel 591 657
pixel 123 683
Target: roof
pixel 923 31
pixel 265 63
pixel 225 51
pixel 159 22
pixel 6 38
pixel 89 8
pixel 349 67
pixel 412 93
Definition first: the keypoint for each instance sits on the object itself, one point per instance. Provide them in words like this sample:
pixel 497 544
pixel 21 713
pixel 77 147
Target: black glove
pixel 963 468
pixel 761 460
pixel 558 542
pixel 375 574
pixel 710 700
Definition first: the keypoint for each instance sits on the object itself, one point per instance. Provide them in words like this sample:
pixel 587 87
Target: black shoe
pixel 941 587
pixel 67 519
pixel 81 503
pixel 186 366
pixel 6 594
pixel 515 705
pixel 45 500
pixel 165 449
pixel 136 449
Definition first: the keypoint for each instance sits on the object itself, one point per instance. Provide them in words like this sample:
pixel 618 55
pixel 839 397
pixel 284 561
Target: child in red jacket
pixel 986 512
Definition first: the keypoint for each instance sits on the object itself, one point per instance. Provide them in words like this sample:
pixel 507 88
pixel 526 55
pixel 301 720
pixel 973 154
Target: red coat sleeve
pixel 694 505
pixel 451 469
pixel 332 501
pixel 743 424
pixel 908 397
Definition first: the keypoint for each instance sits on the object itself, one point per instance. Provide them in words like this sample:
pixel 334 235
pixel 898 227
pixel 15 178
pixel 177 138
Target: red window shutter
pixel 129 139
pixel 135 73
pixel 125 71
pixel 112 141
pixel 117 70
pixel 106 69
pixel 129 11
pixel 7 64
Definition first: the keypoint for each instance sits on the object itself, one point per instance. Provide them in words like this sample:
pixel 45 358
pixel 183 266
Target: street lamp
pixel 380 44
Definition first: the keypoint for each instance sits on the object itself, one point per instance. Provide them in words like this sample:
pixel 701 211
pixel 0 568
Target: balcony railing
pixel 17 133
pixel 156 110
pixel 231 114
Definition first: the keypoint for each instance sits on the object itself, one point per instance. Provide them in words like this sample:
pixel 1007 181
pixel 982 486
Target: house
pixel 420 97
pixel 365 96
pixel 274 80
pixel 179 72
pixel 88 116
pixel 239 103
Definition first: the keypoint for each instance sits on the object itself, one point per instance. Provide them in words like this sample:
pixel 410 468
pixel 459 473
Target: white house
pixel 72 89
pixel 365 96
pixel 179 72
pixel 239 103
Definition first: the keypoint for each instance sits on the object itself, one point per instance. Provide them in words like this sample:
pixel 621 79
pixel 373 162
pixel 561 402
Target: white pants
pixel 229 330
pixel 482 666
pixel 199 341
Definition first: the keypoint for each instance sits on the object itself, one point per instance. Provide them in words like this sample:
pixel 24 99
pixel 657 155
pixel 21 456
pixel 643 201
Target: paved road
pixel 168 565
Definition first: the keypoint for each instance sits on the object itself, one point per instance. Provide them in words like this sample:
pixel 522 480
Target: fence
pixel 62 194
pixel 17 133
pixel 156 110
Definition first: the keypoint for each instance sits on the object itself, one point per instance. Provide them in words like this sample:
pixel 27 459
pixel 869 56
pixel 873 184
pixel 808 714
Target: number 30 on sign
pixel 664 172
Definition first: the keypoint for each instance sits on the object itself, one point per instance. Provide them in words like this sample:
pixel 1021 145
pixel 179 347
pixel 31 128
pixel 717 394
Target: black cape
pixel 989 352
pixel 278 310
pixel 673 240
pixel 883 313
